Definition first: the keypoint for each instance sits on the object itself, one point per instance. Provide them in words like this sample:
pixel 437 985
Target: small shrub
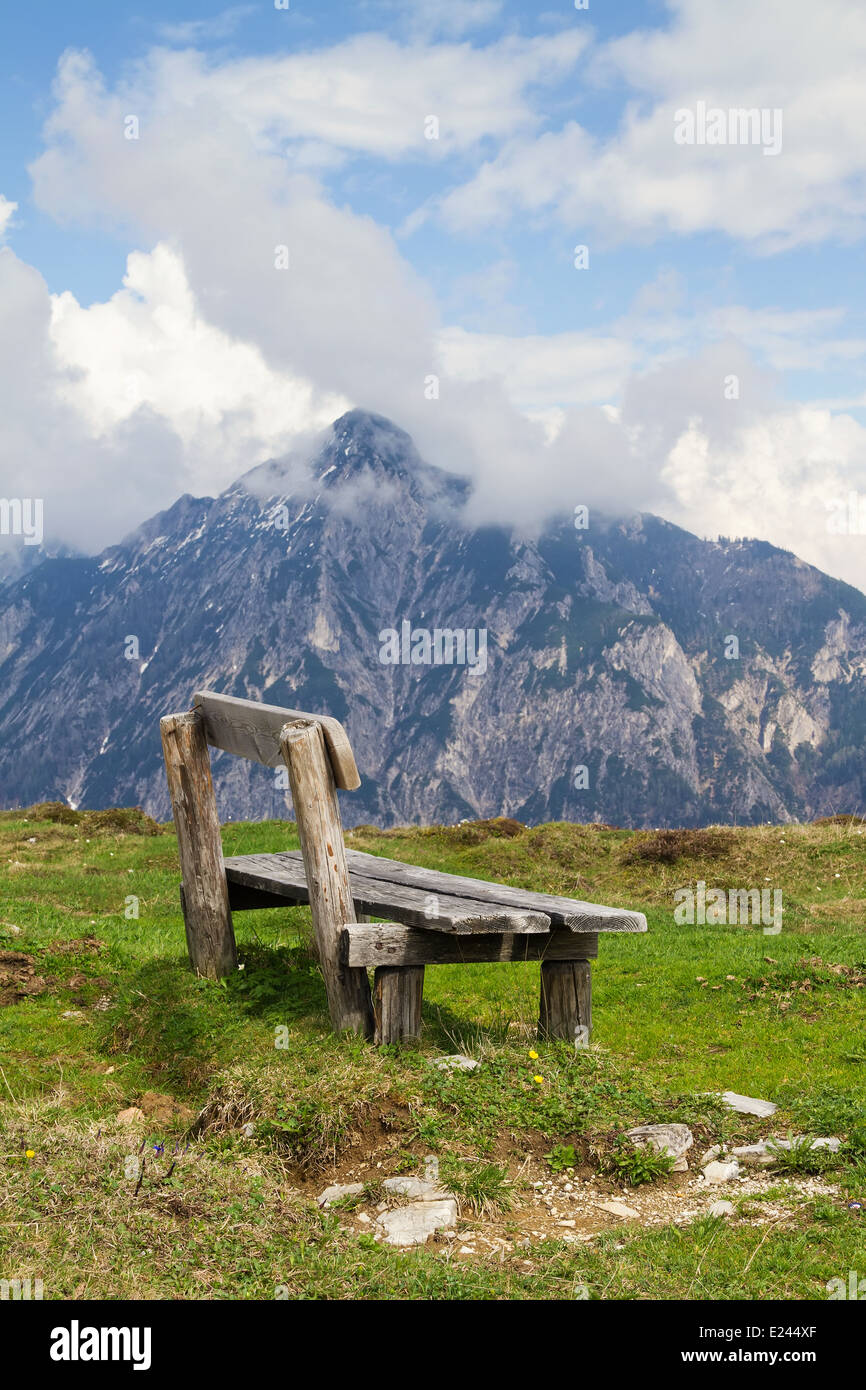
pixel 129 820
pixel 56 811
pixel 802 1158
pixel 475 832
pixel 483 1187
pixel 561 1157
pixel 844 819
pixel 639 1166
pixel 667 846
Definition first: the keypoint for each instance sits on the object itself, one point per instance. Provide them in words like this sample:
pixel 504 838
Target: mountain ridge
pixel 607 694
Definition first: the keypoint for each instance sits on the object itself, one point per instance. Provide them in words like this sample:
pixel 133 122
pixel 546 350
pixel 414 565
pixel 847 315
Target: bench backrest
pixel 251 730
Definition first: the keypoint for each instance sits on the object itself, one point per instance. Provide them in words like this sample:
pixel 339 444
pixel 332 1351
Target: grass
pixel 253 1106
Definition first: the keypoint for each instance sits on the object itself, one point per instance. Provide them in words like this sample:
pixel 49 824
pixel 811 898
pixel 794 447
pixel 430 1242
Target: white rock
pixel 754 1153
pixel 338 1190
pixel 765 1151
pixel 673 1139
pixel 722 1172
pixel 620 1209
pixel 832 1144
pixel 748 1105
pixel 412 1225
pixel 722 1209
pixel 457 1062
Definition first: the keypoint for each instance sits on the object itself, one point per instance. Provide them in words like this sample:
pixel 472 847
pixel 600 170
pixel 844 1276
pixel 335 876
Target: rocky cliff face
pixel 632 672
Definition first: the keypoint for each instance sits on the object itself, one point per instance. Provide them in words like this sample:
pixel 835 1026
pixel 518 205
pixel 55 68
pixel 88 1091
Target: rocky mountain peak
pixel 633 673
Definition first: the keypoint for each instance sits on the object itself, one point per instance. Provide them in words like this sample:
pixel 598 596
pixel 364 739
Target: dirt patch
pixel 18 978
pixel 164 1109
pixel 571 1207
pixel 81 946
pixel 808 976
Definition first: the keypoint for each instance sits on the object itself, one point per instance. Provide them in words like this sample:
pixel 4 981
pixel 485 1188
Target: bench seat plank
pixel 372 944
pixel 283 876
pixel 577 916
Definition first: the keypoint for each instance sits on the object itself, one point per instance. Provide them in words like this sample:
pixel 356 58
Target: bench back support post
pixel 320 832
pixel 207 915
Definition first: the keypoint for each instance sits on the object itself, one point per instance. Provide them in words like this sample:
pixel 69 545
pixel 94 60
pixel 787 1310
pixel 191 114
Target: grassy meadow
pixel 251 1107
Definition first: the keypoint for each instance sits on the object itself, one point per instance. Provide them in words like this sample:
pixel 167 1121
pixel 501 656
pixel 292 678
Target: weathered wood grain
pixel 397 995
pixel 251 730
pixel 566 1001
pixel 391 943
pixel 210 935
pixel 572 913
pixel 321 834
pixel 283 874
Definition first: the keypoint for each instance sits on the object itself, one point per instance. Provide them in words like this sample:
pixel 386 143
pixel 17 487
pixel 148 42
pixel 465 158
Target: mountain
pixel 612 690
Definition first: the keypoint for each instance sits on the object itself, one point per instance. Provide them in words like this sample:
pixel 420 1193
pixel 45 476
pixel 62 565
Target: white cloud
pixel 537 372
pixel 149 348
pixel 805 60
pixel 93 489
pixel 366 94
pixel 7 212
pixel 451 18
pixel 219 26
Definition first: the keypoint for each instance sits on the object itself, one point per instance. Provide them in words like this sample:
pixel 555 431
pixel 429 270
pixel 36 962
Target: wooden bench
pixel 433 917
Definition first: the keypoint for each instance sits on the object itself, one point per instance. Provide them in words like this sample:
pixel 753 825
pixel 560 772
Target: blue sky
pixel 451 256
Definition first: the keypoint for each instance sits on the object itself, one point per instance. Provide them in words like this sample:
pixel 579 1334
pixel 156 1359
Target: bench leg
pixel 566 1001
pixel 397 992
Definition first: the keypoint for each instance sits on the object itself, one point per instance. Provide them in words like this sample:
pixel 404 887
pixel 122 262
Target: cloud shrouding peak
pixel 259 305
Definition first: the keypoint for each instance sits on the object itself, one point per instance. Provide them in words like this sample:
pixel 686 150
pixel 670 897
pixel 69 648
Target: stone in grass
pixel 455 1063
pixel 672 1139
pixel 722 1172
pixel 833 1145
pixel 748 1105
pixel 620 1209
pixel 413 1224
pixel 722 1209
pixel 746 1153
pixel 765 1151
pixel 339 1190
